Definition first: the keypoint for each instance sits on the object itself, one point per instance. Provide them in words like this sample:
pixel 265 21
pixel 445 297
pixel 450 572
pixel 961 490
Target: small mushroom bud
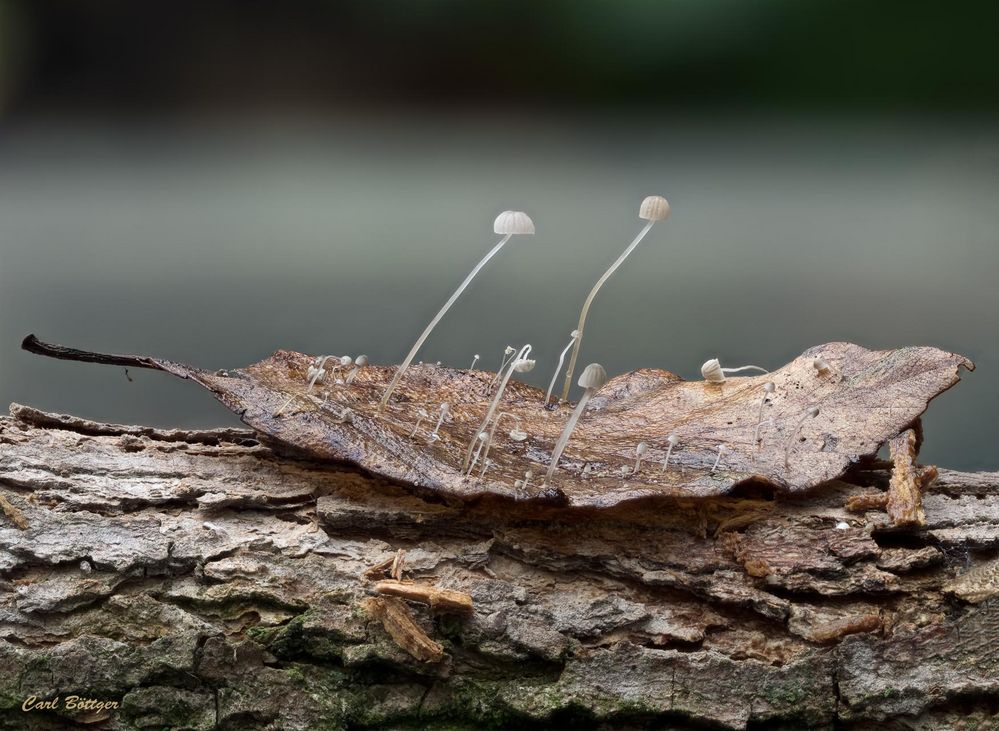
pixel 359 363
pixel 714 373
pixel 640 451
pixel 672 440
pixel 822 367
pixel 517 435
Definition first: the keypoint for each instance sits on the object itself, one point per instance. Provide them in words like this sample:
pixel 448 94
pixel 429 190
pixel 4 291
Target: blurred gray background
pixel 211 184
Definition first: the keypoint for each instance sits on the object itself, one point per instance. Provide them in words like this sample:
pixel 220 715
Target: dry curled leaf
pixel 865 399
pixel 403 630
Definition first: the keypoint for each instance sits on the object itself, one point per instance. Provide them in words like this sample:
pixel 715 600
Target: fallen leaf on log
pixel 865 399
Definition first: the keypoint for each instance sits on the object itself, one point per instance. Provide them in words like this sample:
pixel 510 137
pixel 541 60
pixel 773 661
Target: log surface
pixel 206 580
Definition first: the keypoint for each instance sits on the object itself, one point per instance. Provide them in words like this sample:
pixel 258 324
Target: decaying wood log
pixel 208 580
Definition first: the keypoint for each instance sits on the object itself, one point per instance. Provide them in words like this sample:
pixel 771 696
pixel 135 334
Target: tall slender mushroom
pixel 507 224
pixel 654 208
pixel 672 440
pixel 591 380
pixel 810 414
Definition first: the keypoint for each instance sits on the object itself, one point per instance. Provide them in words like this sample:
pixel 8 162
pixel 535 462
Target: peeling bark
pixel 206 580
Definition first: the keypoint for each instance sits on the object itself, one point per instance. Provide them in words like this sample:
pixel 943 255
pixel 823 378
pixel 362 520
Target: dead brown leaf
pixel 866 399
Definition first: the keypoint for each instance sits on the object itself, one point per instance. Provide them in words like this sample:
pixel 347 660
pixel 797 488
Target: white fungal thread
pixel 508 352
pixel 721 450
pixel 561 359
pixel 654 208
pixel 507 224
pixel 810 414
pixel 640 451
pixel 591 380
pixel 672 440
pixel 768 389
pixel 714 373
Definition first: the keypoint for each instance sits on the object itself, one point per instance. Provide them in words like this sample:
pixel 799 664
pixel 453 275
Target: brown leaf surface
pixel 868 398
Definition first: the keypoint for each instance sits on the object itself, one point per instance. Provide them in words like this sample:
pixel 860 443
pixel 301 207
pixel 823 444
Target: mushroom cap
pixel 513 222
pixel 361 360
pixel 712 371
pixel 654 208
pixel 641 449
pixel 673 439
pixel 524 365
pixel 769 387
pixel 593 376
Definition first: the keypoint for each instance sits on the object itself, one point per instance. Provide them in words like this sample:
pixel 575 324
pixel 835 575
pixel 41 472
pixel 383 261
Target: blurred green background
pixel 211 181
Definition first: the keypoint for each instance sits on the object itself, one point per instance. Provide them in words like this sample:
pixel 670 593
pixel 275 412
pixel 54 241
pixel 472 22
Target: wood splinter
pixel 905 491
pixel 399 623
pixel 904 499
pixel 442 600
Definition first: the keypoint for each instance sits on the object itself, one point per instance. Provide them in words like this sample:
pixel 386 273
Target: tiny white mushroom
pixel 591 380
pixel 822 367
pixel 359 363
pixel 492 433
pixel 508 353
pixel 672 440
pixel 507 224
pixel 654 208
pixel 714 373
pixel 519 363
pixel 517 435
pixel 445 409
pixel 640 451
pixel 420 416
pixel 842 526
pixel 475 359
pixel 721 450
pixel 810 414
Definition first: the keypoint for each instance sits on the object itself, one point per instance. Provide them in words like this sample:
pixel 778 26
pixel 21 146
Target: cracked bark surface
pixel 206 580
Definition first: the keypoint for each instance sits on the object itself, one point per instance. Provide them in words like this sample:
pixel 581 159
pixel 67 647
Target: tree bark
pixel 213 580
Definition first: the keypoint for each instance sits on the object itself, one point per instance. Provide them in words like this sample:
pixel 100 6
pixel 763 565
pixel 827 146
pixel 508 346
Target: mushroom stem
pixel 445 410
pixel 489 439
pixel 721 451
pixel 672 441
pixel 508 354
pixel 521 356
pixel 561 359
pixel 433 323
pixel 811 413
pixel 592 379
pixel 745 368
pixel 589 300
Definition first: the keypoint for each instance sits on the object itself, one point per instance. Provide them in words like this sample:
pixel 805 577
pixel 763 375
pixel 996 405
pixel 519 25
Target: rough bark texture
pixel 204 580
